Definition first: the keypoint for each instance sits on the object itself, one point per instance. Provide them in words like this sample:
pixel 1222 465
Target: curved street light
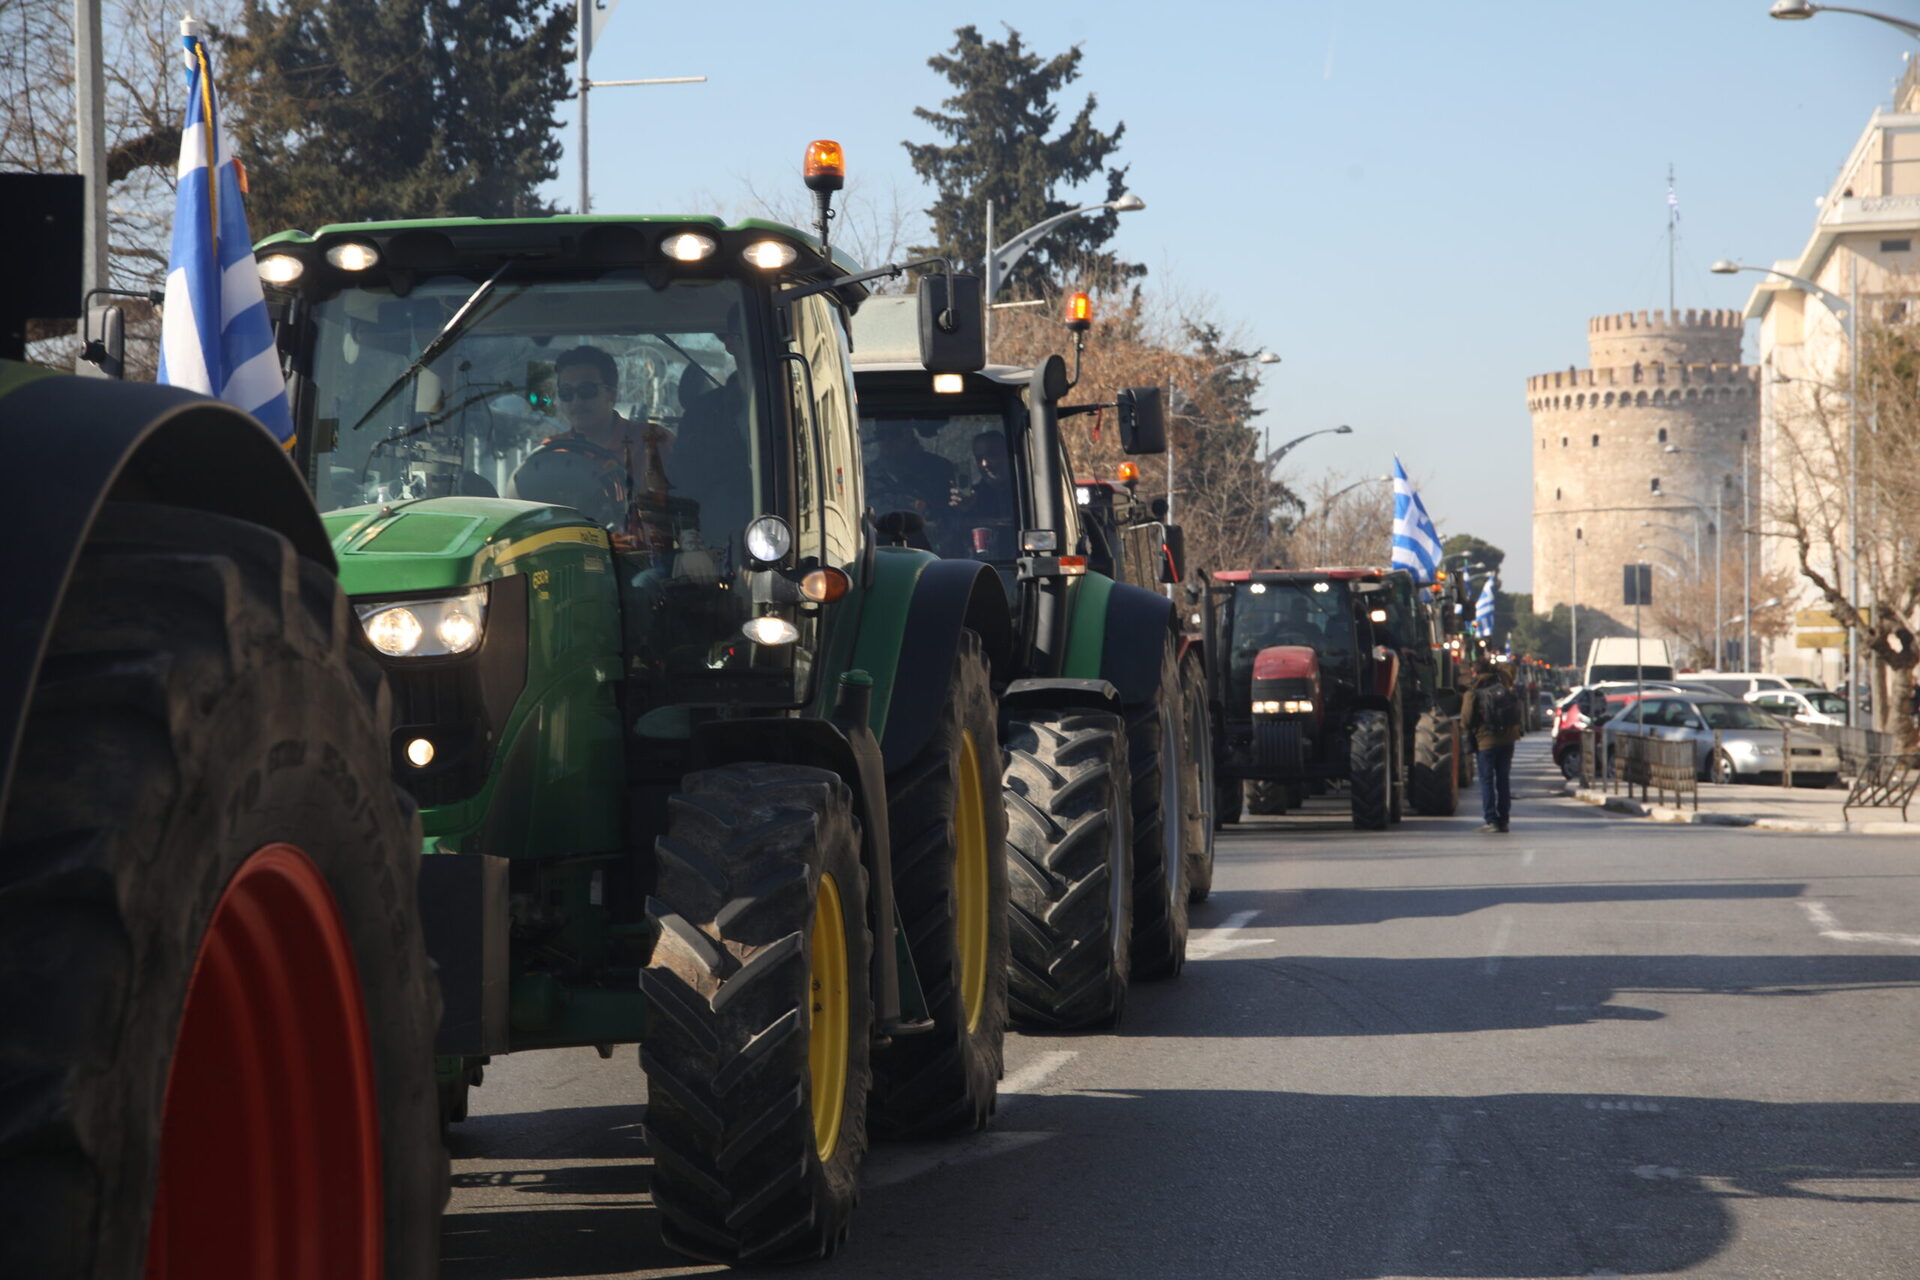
pixel 1847 315
pixel 1797 10
pixel 1273 458
pixel 1001 259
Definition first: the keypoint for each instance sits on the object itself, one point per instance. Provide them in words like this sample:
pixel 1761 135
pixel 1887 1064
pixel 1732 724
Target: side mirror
pixel 953 335
pixel 1173 566
pixel 105 354
pixel 1143 423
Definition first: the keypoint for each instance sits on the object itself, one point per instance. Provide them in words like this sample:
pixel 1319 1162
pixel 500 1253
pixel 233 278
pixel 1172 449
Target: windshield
pixel 1734 715
pixel 637 405
pixel 1829 704
pixel 1265 614
pixel 955 471
pixel 630 403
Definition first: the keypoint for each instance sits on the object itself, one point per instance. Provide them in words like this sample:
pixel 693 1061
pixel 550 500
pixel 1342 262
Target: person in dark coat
pixel 1493 748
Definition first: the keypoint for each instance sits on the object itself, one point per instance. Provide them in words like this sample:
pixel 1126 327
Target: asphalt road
pixel 1592 1047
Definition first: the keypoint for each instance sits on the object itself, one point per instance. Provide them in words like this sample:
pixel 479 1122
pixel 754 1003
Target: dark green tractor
pixel 596 492
pixel 1105 818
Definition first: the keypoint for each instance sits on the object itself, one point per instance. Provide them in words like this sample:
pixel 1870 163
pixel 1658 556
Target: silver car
pixel 1732 740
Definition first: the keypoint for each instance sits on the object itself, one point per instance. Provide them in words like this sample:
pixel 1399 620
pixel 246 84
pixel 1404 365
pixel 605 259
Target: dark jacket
pixel 1484 738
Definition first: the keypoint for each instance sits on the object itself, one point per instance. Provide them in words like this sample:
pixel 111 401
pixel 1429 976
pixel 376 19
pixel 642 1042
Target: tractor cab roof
pixel 1373 574
pixel 565 241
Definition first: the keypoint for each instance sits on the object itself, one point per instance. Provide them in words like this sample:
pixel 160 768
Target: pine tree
pixel 374 109
pixel 1001 122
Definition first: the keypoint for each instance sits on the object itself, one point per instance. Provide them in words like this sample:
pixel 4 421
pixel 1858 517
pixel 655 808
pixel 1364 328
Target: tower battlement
pixel 1661 321
pixel 1693 336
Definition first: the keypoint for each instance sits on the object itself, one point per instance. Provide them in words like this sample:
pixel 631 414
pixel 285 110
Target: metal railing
pixel 1856 746
pixel 1884 782
pixel 1671 769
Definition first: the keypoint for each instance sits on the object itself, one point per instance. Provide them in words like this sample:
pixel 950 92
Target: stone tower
pixel 1600 466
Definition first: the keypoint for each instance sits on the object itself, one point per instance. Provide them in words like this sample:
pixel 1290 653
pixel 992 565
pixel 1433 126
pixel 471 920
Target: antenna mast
pixel 1673 227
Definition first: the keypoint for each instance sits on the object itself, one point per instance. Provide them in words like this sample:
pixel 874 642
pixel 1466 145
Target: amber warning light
pixel 1129 472
pixel 1079 312
pixel 826 168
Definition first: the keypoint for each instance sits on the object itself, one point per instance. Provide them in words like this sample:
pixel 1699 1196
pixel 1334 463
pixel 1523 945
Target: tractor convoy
pixel 648 639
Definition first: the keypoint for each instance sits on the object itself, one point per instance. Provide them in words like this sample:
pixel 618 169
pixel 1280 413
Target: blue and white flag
pixel 215 337
pixel 1483 609
pixel 1416 544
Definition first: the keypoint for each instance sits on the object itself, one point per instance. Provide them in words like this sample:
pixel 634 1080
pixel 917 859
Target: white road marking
pixel 1824 921
pixel 1030 1077
pixel 1223 937
pixel 1501 933
pixel 1412 1222
pixel 1526 858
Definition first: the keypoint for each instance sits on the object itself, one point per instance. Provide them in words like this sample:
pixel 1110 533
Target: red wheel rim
pixel 270 1145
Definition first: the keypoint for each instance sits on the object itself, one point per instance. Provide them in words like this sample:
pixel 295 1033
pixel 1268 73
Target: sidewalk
pixel 1767 808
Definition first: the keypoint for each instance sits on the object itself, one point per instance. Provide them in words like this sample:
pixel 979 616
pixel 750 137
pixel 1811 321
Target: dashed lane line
pixel 1829 927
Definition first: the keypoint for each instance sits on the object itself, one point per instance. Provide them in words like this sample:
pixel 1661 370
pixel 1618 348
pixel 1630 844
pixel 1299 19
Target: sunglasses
pixel 581 390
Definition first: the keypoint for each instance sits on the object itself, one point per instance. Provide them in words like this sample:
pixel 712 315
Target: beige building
pixel 1606 491
pixel 1862 250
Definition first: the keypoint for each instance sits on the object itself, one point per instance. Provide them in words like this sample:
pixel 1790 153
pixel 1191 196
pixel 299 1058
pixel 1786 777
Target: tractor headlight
pixel 280 268
pixel 1303 707
pixel 688 246
pixel 769 630
pixel 426 628
pixel 769 255
pixel 353 255
pixel 769 539
pixel 1266 707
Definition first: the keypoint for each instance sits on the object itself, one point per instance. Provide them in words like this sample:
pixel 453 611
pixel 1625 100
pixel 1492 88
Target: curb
pixel 1761 822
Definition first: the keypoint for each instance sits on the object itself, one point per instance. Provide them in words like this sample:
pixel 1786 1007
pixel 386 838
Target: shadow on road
pixel 1318 907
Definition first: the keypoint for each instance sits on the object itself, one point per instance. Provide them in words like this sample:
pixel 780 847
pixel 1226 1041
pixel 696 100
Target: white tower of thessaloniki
pixel 1601 471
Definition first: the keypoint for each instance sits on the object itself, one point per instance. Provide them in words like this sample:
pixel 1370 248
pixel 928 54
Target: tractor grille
pixel 1290 687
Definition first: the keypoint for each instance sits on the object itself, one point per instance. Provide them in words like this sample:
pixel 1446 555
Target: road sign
pixel 1812 618
pixel 1636 584
pixel 1820 640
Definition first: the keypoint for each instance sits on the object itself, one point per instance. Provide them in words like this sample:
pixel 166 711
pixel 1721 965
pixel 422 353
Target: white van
pixel 1625 658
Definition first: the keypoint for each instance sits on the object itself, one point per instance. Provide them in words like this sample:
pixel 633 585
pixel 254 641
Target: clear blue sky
pixel 1417 204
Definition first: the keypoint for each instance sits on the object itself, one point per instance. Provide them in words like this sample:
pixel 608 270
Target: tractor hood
pixel 444 543
pixel 1286 661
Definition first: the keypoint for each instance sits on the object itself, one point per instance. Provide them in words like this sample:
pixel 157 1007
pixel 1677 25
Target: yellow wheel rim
pixel 970 882
pixel 827 1047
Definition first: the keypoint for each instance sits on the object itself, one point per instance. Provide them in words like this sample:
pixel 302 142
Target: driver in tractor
pixel 904 476
pixel 989 506
pixel 587 466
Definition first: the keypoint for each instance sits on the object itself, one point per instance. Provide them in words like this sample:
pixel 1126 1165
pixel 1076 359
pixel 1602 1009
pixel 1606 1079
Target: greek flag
pixel 1416 544
pixel 215 337
pixel 1483 609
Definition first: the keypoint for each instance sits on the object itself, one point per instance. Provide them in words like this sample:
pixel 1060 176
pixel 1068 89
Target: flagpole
pixel 1673 211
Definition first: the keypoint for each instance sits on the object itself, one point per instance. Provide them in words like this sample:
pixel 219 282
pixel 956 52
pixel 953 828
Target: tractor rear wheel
pixel 1070 869
pixel 1432 786
pixel 1369 781
pixel 759 1017
pixel 1156 755
pixel 948 827
pixel 217 1012
pixel 1199 824
pixel 1266 796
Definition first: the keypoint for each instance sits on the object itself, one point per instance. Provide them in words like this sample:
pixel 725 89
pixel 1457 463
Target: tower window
pixel 1663 435
pixel 1895 246
pixel 1556 495
pixel 1656 484
pixel 1563 442
pixel 1596 442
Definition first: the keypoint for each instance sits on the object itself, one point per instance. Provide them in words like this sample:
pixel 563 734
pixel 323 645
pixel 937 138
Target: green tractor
pixel 1107 834
pixel 594 485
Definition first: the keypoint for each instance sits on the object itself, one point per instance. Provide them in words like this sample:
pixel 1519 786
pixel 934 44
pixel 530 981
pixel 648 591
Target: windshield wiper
pixel 440 341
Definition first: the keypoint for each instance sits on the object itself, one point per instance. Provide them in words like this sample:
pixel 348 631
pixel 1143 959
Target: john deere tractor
pixel 595 487
pixel 1105 822
pixel 1337 675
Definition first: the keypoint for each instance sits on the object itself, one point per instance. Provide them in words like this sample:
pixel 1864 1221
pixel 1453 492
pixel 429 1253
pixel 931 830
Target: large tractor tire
pixel 1156 753
pixel 1369 770
pixel 759 1015
pixel 1265 796
pixel 948 826
pixel 1229 802
pixel 1070 862
pixel 1432 786
pixel 216 1009
pixel 1199 820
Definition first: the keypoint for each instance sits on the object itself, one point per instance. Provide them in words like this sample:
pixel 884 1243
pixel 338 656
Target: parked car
pixel 1804 706
pixel 1735 684
pixel 1733 740
pixel 1590 705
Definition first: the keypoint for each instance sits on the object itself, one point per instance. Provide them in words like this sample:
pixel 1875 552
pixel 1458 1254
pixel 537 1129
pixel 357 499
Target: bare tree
pixel 1348 521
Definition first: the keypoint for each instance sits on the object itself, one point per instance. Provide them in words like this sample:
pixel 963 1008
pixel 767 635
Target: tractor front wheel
pixel 948 828
pixel 1265 796
pixel 1199 825
pixel 759 1015
pixel 1228 802
pixel 1369 770
pixel 1070 861
pixel 1432 786
pixel 218 1014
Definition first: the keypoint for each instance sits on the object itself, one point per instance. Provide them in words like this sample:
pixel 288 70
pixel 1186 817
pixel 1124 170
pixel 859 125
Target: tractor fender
pixel 1024 696
pixel 948 596
pixel 1138 624
pixel 68 444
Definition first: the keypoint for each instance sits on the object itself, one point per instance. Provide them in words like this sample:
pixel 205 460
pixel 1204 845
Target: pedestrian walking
pixel 1491 713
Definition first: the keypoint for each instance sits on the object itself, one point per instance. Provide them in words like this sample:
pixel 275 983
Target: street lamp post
pixel 1001 259
pixel 589 18
pixel 1326 511
pixel 1264 355
pixel 1844 311
pixel 1573 607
